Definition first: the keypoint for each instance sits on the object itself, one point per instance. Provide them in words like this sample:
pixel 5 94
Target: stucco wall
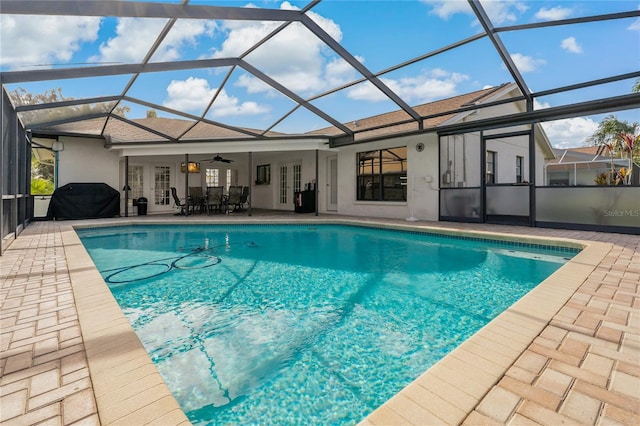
pixel 86 160
pixel 422 166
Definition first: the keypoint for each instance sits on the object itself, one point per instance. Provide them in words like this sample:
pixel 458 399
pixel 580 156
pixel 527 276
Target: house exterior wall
pixel 459 154
pixel 266 196
pixel 86 160
pixel 421 167
pixel 507 150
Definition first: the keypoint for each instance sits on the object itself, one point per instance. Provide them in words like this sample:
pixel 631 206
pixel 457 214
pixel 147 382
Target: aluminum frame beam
pixel 126 9
pixel 70 102
pixel 499 46
pixel 351 60
pixel 12 77
pixel 599 106
pixel 570 21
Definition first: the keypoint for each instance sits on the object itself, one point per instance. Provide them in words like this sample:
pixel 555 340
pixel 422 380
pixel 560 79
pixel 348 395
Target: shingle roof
pixel 379 125
pixel 382 125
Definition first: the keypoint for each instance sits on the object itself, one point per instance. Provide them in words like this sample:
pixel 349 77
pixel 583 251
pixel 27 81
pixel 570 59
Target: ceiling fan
pixel 218 159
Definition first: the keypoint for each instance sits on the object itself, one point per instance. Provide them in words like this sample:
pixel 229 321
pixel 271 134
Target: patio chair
pixel 215 199
pixel 196 198
pixel 183 205
pixel 244 197
pixel 235 195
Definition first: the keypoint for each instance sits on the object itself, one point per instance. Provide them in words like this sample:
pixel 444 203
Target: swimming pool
pixel 304 323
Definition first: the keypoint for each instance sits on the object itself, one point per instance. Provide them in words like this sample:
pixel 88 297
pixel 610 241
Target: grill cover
pixel 84 201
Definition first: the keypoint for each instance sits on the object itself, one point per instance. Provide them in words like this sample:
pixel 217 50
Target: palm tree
pixel 609 129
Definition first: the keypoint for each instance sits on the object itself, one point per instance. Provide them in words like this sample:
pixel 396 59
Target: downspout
pixel 315 189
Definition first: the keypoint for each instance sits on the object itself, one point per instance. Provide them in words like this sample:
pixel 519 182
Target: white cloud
pixel 226 106
pixel 499 11
pixel 38 40
pixel 503 12
pixel 338 72
pixel 194 94
pixel 526 63
pixel 571 132
pixel 435 84
pixel 567 133
pixel 294 55
pixel 446 9
pixel 134 37
pixel 553 14
pixel 635 26
pixel 571 45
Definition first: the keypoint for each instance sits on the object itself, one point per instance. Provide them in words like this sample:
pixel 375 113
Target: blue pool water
pixel 252 324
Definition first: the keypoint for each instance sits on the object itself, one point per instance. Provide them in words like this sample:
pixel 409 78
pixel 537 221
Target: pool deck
pixel 567 353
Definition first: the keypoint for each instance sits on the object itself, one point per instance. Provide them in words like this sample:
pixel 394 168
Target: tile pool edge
pixel 127 386
pixel 451 389
pixel 446 393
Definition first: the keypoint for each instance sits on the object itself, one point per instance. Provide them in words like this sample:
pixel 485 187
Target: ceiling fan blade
pixel 219 159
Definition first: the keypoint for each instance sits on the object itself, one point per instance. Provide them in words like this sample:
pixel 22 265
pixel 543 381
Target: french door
pixel 289 181
pixel 161 189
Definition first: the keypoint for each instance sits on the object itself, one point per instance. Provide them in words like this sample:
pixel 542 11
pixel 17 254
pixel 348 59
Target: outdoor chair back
pixel 215 199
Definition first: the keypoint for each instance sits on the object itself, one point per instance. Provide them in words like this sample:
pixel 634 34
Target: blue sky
pixel 380 34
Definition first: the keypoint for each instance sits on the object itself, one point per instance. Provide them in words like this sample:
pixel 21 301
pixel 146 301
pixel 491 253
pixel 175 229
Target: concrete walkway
pixel 568 353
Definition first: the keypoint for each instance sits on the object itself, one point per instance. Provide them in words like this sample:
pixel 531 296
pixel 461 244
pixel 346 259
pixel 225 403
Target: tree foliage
pixel 41 186
pixel 41 170
pixel 21 96
pixel 608 130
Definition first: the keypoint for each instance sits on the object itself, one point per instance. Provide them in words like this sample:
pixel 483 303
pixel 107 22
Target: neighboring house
pixel 389 171
pixel 581 166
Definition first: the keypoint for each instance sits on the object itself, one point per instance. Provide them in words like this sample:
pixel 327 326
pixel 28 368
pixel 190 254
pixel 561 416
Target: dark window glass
pixel 491 167
pixel 519 168
pixel 380 175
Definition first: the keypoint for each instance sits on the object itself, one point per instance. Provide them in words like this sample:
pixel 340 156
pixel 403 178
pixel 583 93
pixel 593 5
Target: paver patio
pixel 567 353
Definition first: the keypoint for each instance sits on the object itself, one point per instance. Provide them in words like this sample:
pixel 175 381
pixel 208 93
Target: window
pixel 212 177
pixel 283 184
pixel 229 181
pixel 380 175
pixel 162 184
pixel 263 174
pixel 519 168
pixel 297 177
pixel 136 181
pixel 491 166
pixel 221 177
